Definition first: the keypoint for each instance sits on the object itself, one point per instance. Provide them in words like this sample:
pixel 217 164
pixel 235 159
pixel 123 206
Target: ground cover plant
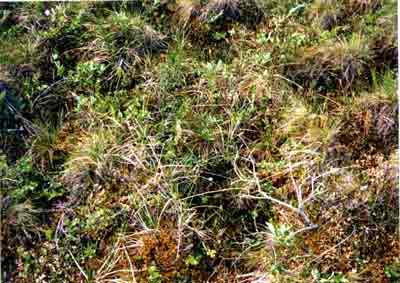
pixel 199 141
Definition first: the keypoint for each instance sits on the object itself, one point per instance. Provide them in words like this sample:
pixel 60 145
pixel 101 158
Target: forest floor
pixel 246 141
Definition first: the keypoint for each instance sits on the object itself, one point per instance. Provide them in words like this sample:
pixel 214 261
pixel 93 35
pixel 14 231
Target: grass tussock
pixel 212 21
pixel 224 11
pixel 336 65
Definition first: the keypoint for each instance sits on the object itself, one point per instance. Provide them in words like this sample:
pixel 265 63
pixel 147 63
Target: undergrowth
pixel 199 141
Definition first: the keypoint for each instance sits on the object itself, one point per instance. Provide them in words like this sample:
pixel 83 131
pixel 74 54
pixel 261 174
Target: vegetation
pixel 199 141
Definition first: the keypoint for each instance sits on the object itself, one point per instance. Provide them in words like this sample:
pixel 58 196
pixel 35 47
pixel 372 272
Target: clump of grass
pixel 334 14
pixel 174 73
pixel 371 122
pixel 380 122
pixel 92 158
pixel 225 9
pixel 377 121
pixel 384 51
pixel 131 32
pixel 211 22
pixel 186 12
pixel 337 66
pixel 20 220
pixel 125 41
pixel 308 127
pixel 363 6
pixel 44 148
pixel 247 12
pixel 327 13
pixel 20 228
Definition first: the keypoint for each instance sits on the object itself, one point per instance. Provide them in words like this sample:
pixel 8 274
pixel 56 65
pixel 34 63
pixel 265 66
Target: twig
pixel 130 265
pixel 290 81
pixel 299 210
pixel 79 267
pixel 308 228
pixel 281 203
